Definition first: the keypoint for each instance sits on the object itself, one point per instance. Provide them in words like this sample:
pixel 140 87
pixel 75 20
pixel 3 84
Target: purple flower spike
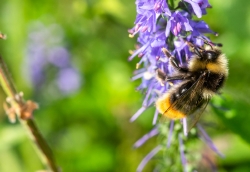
pixel 183 158
pixel 46 51
pixel 170 133
pixel 178 22
pixel 147 158
pixel 160 28
pixel 147 136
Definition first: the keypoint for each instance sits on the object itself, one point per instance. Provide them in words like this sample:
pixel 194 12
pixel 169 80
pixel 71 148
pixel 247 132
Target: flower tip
pixel 185 130
pixel 216 34
pixel 131 35
pixel 3 36
pixel 131 52
pixel 199 16
pixel 131 120
pixel 140 55
pixel 137 65
pixel 137 114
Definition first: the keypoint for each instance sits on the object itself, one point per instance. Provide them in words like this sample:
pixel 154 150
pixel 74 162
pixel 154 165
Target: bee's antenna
pixel 211 44
pixel 160 76
pixel 219 44
pixel 206 42
pixel 195 49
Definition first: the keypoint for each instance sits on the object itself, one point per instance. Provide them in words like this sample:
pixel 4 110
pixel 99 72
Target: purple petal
pixel 59 57
pixel 137 114
pixel 170 133
pixel 185 126
pixel 147 158
pixel 147 136
pixel 201 27
pixel 147 7
pixel 158 43
pixel 145 101
pixel 196 8
pixel 183 158
pixel 155 117
pixel 167 11
pixel 167 31
pixel 135 77
pixel 208 140
pixel 68 80
pixel 141 49
pixel 187 27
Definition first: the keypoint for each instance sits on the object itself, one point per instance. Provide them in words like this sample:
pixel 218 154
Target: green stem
pixel 5 80
pixel 43 148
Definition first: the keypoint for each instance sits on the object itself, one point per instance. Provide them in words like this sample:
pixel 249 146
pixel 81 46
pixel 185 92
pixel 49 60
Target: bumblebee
pixel 203 77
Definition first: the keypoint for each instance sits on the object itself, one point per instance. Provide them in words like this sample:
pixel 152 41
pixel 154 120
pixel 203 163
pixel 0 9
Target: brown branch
pixel 24 113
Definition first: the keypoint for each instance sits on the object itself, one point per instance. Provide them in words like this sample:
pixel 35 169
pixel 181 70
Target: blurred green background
pixel 89 129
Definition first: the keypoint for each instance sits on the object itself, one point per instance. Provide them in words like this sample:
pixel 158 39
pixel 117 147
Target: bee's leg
pixel 195 49
pixel 162 77
pixel 177 77
pixel 176 65
pixel 169 79
pixel 173 62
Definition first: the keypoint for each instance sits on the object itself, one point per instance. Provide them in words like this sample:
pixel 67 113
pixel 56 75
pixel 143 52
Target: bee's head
pixel 209 55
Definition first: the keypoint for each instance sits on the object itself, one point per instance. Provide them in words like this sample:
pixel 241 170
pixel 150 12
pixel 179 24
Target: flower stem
pixel 28 123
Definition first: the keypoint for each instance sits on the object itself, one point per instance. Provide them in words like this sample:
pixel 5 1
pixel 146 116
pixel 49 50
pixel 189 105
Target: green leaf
pixel 235 103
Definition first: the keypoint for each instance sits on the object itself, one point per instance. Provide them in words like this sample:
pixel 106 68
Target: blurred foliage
pixel 90 130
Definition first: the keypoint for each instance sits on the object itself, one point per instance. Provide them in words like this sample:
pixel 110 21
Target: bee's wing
pixel 191 101
pixel 194 117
